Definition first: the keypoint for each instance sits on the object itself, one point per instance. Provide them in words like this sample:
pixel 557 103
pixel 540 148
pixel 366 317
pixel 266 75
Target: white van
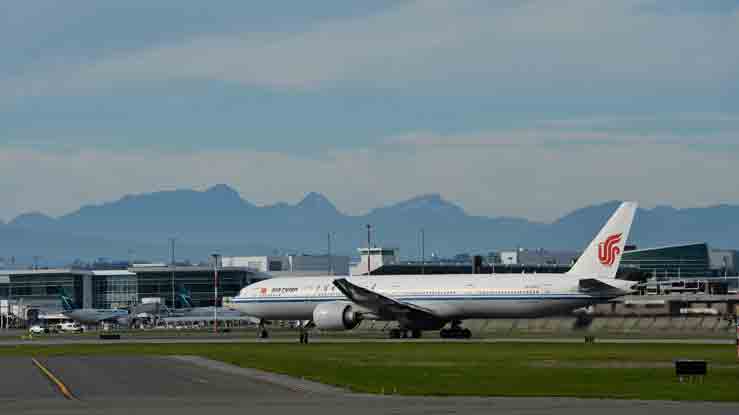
pixel 71 326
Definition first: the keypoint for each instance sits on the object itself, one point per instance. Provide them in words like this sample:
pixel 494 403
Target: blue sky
pixel 525 108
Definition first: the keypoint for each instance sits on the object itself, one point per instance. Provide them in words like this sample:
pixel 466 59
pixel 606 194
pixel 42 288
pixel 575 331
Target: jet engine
pixel 125 321
pixel 335 316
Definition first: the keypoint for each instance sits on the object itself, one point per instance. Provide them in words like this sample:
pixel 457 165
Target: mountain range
pixel 219 220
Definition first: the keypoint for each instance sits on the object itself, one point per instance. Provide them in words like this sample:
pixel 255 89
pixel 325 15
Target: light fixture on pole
pixel 215 257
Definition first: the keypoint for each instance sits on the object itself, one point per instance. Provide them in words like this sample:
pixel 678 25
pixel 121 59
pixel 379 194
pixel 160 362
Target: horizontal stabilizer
pixel 594 285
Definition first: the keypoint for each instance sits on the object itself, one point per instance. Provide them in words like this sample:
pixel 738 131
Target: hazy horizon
pixel 362 212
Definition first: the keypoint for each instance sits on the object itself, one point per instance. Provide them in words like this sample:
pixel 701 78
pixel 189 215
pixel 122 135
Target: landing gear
pixel 305 327
pixel 262 332
pixel 455 332
pixel 582 322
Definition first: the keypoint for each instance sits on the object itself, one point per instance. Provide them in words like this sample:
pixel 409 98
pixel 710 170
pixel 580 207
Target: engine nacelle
pixel 125 321
pixel 335 316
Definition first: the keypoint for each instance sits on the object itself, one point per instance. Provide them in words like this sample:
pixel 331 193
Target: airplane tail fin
pixel 67 303
pixel 603 256
pixel 184 296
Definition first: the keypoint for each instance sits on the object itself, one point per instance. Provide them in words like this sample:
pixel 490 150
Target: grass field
pixel 633 371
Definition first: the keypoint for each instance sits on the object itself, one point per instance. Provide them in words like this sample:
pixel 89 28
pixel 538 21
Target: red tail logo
pixel 263 291
pixel 608 251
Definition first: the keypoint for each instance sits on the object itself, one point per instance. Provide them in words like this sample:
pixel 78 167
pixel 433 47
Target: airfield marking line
pixel 59 384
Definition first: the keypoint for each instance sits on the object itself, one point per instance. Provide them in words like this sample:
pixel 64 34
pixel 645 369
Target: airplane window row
pixel 511 292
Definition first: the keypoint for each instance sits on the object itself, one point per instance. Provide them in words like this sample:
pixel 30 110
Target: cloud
pixel 537 47
pixel 482 172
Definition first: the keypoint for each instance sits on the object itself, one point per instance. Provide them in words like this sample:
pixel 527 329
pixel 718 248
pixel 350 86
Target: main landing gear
pixel 303 336
pixel 404 334
pixel 455 332
pixel 262 332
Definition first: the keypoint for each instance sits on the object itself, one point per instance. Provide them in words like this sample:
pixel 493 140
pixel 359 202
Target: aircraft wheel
pixel 444 333
pixel 394 334
pixel 416 334
pixel 263 334
pixel 466 333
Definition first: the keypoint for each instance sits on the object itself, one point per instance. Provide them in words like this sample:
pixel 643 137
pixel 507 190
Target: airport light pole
pixel 330 263
pixel 172 264
pixel 369 249
pixel 423 251
pixel 215 257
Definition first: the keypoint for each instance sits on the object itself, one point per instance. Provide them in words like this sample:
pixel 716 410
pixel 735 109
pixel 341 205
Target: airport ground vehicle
pixel 430 302
pixel 69 326
pixel 38 329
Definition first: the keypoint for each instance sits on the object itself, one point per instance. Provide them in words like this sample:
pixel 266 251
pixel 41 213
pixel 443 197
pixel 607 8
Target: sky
pixel 508 108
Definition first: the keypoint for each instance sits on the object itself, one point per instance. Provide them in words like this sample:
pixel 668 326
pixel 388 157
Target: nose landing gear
pixel 262 332
pixel 305 327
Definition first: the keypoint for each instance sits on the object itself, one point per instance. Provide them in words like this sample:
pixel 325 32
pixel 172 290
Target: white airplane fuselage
pixel 426 302
pixel 95 316
pixel 451 297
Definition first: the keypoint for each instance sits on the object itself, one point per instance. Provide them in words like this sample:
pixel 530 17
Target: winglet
pixel 603 256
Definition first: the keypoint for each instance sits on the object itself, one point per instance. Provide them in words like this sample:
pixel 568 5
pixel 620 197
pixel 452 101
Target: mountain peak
pixel 223 189
pixel 32 220
pixel 432 198
pixel 224 192
pixel 431 202
pixel 316 201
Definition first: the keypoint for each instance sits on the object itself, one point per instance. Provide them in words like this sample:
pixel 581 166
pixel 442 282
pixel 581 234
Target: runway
pixel 176 385
pixel 206 338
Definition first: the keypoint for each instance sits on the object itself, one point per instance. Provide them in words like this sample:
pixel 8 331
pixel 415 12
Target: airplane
pixel 190 312
pixel 430 302
pixel 90 316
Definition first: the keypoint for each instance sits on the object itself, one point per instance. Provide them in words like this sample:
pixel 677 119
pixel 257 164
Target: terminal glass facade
pixel 115 291
pixel 197 281
pixel 44 286
pixel 685 261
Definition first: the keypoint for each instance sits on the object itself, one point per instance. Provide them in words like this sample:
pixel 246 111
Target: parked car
pixel 38 329
pixel 69 326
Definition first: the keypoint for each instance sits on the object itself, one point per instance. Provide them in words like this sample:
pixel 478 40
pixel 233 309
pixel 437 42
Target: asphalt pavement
pixel 205 339
pixel 185 385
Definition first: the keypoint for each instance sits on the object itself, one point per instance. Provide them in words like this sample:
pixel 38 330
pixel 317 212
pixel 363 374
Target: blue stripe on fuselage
pixel 421 298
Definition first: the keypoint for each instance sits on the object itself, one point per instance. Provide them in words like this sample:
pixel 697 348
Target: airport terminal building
pixel 689 261
pixel 41 289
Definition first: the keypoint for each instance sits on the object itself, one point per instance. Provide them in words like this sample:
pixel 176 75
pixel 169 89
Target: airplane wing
pixel 89 317
pixel 111 317
pixel 384 306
